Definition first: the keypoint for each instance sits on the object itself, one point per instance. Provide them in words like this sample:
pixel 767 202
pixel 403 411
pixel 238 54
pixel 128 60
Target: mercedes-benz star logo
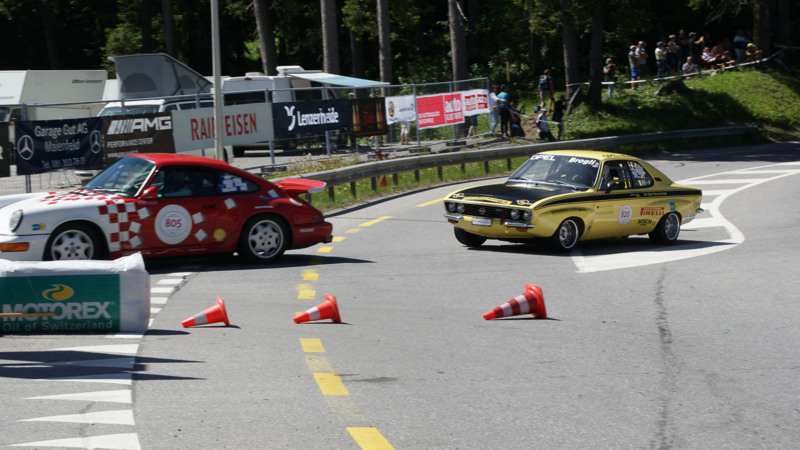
pixel 482 211
pixel 94 141
pixel 25 147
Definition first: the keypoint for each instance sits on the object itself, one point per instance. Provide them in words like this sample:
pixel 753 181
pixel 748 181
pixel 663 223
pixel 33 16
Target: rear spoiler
pixel 297 186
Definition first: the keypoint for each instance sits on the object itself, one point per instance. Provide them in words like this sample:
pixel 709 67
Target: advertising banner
pixel 193 129
pixel 147 133
pixel 476 101
pixel 400 109
pixel 368 117
pixel 48 145
pixel 303 117
pixel 5 152
pixel 439 110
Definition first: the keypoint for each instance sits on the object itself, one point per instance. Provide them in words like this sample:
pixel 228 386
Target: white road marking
pixel 126 441
pixel 179 274
pixel 123 417
pixel 119 396
pixel 124 336
pixel 125 349
pixel 124 378
pixel 710 218
pixel 162 290
pixel 154 310
pixel 170 281
pixel 158 300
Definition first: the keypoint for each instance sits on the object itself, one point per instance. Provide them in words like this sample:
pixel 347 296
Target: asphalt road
pixel 691 346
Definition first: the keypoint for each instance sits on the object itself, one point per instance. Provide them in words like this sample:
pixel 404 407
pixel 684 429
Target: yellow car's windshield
pixel 563 170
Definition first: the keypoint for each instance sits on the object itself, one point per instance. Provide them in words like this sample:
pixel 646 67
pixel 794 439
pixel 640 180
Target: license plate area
pixel 481 222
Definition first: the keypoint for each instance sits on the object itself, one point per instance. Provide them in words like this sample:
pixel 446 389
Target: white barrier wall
pixel 85 296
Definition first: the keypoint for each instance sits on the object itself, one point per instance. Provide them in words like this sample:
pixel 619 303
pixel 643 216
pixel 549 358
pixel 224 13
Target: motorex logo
pixel 290 113
pixel 58 292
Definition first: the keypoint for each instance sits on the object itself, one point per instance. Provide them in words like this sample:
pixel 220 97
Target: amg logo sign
pixel 123 126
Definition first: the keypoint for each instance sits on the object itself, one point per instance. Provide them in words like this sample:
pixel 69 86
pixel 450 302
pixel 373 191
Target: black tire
pixel 468 239
pixel 264 238
pixel 566 236
pixel 238 151
pixel 74 241
pixel 667 230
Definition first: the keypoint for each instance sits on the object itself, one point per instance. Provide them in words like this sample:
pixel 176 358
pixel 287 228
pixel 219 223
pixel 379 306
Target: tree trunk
pixel 49 39
pixel 761 25
pixel 571 69
pixel 596 55
pixel 784 33
pixel 266 36
pixel 357 54
pixel 147 27
pixel 169 27
pixel 330 42
pixel 384 44
pixel 458 45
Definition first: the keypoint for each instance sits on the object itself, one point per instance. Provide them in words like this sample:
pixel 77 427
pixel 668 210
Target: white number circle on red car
pixel 624 215
pixel 173 224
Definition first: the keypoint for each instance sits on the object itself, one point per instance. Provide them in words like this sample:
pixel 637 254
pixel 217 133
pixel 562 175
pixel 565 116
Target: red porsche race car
pixel 163 205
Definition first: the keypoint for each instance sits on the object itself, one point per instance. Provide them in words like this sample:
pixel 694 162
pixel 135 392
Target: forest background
pixel 401 41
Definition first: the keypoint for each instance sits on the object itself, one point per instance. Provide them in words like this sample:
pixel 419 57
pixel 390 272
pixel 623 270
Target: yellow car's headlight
pixel 514 214
pixel 527 215
pixel 461 208
pixel 451 207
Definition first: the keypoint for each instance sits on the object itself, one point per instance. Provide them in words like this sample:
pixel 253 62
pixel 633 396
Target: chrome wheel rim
pixel 72 244
pixel 672 227
pixel 568 234
pixel 265 239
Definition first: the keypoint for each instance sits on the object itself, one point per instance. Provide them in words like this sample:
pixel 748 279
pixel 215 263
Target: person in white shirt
pixel 543 123
pixel 495 115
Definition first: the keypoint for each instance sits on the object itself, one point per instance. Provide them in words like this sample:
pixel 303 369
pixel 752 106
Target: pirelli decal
pixel 620 196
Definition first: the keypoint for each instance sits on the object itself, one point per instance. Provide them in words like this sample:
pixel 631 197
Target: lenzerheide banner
pixel 51 145
pixel 304 117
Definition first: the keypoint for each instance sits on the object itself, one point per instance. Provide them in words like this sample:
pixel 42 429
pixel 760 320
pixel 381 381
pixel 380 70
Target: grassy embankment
pixel 766 99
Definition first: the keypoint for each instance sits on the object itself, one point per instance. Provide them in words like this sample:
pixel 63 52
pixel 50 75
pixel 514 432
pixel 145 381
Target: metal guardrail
pixel 354 173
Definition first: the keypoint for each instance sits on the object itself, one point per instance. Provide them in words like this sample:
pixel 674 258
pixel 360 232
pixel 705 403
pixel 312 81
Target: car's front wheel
pixel 73 242
pixel 264 238
pixel 469 239
pixel 667 230
pixel 566 236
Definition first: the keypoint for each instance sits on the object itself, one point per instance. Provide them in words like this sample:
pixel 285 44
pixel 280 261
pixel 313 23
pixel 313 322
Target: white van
pixel 76 90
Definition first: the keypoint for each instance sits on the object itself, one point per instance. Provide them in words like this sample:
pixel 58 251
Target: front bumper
pixel 36 245
pixel 496 229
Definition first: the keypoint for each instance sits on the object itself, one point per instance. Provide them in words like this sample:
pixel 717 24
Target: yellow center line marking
pixel 338 239
pixel 324 249
pixel 354 230
pixel 330 384
pixel 312 346
pixel 373 222
pixel 318 364
pixel 310 275
pixel 317 261
pixel 369 438
pixel 304 292
pixel 430 202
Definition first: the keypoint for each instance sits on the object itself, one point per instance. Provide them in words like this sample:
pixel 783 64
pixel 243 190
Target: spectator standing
pixel 609 75
pixel 543 124
pixel 405 127
pixel 503 105
pixel 695 46
pixel 546 88
pixel 690 68
pixel 493 113
pixel 683 43
pixel 633 60
pixel 641 53
pixel 673 54
pixel 516 121
pixel 740 45
pixel 661 60
pixel 558 114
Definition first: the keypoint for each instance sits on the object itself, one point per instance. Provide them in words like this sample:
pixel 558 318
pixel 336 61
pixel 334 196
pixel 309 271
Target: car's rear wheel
pixel 468 239
pixel 74 241
pixel 667 230
pixel 566 236
pixel 264 238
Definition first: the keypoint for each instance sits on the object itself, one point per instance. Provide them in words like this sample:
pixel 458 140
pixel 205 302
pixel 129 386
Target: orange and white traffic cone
pixel 210 315
pixel 325 310
pixel 532 301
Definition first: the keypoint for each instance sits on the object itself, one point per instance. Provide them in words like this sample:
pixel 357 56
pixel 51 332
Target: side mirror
pixel 610 185
pixel 151 193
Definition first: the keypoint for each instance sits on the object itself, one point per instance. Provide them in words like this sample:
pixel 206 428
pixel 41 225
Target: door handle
pixel 211 206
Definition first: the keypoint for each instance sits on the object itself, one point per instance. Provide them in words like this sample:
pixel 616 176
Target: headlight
pixel 451 206
pixel 16 219
pixel 527 215
pixel 514 214
pixel 460 208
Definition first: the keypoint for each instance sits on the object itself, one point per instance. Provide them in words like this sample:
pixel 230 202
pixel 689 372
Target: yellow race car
pixel 570 196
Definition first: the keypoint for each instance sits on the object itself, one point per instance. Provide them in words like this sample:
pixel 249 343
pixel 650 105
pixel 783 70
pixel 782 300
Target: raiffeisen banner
pixel 476 101
pixel 304 117
pixel 400 109
pixel 439 110
pixel 193 129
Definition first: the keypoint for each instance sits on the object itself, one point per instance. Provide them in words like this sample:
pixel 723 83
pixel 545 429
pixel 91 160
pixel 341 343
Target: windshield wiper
pixel 112 190
pixel 561 183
